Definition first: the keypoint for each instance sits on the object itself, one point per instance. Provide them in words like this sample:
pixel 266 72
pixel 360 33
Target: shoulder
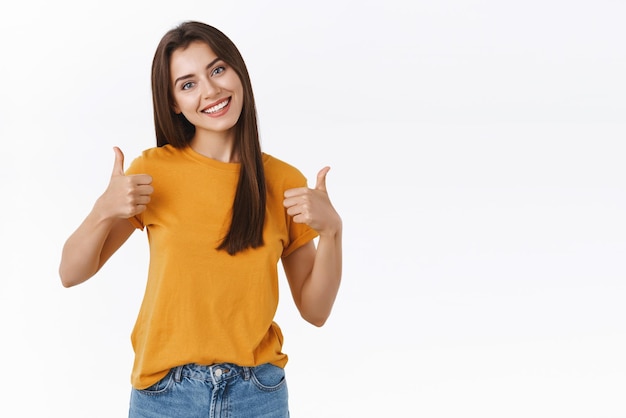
pixel 282 173
pixel 159 153
pixel 156 155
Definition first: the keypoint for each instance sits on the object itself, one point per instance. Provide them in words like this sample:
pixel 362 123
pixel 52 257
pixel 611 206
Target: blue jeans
pixel 217 391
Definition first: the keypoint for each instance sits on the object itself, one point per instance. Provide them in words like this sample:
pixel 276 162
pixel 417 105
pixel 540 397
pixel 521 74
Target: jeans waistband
pixel 214 373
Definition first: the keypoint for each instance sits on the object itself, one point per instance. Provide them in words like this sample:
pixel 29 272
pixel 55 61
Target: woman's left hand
pixel 313 207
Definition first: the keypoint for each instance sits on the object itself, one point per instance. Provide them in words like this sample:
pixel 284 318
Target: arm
pixel 314 274
pixel 106 227
pixel 90 246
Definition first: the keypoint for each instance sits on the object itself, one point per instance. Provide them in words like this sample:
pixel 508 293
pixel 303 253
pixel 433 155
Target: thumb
pixel 321 179
pixel 118 166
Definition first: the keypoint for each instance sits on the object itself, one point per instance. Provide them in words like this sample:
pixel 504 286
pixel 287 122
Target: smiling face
pixel 206 90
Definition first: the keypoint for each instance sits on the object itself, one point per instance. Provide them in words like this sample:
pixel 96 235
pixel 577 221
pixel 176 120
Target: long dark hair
pixel 248 213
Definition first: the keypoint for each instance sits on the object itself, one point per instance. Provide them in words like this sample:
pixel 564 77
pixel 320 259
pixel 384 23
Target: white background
pixel 477 151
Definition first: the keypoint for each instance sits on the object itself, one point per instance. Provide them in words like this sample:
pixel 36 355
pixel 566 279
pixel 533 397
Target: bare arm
pixel 106 227
pixel 314 274
pixel 90 246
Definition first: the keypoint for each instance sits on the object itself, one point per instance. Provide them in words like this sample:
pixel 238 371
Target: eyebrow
pixel 184 77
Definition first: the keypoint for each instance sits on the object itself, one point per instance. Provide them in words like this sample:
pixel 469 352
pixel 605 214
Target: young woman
pixel 219 215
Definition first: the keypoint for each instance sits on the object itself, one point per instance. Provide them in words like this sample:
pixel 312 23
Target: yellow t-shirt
pixel 202 305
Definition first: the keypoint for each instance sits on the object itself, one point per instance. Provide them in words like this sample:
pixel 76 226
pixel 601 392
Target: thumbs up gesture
pixel 125 196
pixel 313 206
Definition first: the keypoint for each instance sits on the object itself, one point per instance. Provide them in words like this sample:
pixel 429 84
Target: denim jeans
pixel 218 391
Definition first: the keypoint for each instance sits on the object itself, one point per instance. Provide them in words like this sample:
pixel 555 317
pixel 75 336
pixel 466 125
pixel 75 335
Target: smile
pixel 217 107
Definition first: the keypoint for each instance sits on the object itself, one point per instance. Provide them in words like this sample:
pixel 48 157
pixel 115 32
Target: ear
pixel 176 109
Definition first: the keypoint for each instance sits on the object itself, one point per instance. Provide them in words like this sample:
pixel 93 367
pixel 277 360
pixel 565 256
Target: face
pixel 206 90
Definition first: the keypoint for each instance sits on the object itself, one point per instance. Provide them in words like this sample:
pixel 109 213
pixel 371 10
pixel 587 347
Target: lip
pixel 220 112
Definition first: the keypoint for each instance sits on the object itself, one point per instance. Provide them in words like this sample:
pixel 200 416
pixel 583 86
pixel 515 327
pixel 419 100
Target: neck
pixel 218 148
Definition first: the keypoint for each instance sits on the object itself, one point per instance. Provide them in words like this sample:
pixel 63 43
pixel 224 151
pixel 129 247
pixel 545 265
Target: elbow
pixel 316 320
pixel 66 282
pixel 67 279
pixel 72 273
pixel 316 313
pixel 318 323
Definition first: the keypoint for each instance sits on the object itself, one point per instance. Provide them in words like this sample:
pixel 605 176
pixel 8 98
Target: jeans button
pixel 218 372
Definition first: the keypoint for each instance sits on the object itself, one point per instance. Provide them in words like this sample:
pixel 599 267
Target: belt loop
pixel 246 373
pixel 212 374
pixel 178 372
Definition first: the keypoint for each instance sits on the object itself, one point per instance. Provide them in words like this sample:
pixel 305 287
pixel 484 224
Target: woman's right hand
pixel 125 196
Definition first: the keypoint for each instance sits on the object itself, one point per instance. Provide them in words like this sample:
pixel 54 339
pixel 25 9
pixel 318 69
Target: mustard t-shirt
pixel 202 305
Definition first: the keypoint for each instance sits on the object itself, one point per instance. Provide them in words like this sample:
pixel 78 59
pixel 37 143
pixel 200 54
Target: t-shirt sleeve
pixel 301 235
pixel 136 167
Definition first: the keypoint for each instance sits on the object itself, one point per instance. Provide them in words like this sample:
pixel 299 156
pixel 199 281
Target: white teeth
pixel 217 107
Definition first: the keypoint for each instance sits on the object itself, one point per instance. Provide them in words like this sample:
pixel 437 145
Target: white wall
pixel 477 153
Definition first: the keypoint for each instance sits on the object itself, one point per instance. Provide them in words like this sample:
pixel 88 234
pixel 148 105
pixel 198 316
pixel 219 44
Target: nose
pixel 210 88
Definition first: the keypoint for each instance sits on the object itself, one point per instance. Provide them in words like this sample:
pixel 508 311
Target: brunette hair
pixel 248 213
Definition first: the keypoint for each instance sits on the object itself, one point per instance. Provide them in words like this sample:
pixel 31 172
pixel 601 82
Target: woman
pixel 219 215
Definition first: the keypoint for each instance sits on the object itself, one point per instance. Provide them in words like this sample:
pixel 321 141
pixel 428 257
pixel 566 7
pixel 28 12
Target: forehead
pixel 197 55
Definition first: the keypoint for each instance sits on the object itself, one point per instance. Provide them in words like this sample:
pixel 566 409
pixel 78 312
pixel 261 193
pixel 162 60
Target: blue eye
pixel 218 70
pixel 187 85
